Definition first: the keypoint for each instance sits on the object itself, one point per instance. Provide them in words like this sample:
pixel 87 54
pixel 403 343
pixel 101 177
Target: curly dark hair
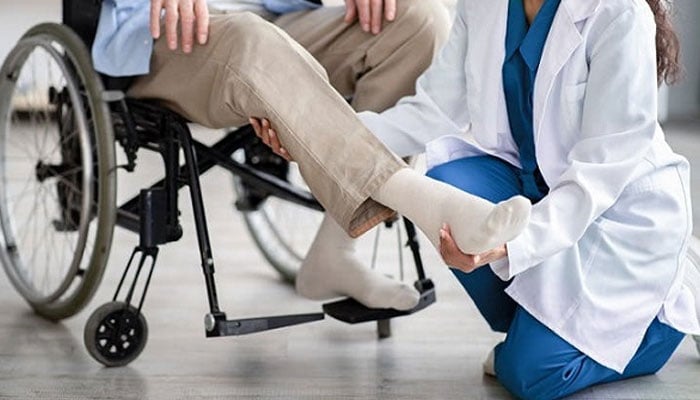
pixel 667 43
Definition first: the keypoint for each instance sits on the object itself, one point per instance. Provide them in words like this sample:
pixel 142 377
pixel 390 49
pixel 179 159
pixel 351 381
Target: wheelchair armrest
pixel 117 83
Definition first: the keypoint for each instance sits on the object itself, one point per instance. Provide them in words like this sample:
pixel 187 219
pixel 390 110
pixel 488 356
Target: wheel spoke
pixel 48 230
pixel 22 193
pixel 19 145
pixel 34 234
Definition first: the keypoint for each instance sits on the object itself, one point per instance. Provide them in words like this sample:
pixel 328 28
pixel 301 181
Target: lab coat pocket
pixel 573 105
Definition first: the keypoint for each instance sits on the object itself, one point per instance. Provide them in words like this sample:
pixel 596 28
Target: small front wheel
pixel 115 334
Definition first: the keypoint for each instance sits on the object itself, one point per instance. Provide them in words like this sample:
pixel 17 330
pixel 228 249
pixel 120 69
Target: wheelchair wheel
pixel 57 176
pixel 281 230
pixel 115 334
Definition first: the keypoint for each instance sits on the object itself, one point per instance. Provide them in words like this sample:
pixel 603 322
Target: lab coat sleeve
pixel 617 129
pixel 439 106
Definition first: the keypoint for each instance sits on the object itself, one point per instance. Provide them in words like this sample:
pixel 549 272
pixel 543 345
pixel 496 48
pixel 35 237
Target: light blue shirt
pixel 287 6
pixel 123 43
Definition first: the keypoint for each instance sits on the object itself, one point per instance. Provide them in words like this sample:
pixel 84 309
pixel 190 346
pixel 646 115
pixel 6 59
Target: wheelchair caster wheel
pixel 115 334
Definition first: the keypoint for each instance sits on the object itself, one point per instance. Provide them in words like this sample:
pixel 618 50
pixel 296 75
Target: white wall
pixel 16 16
pixel 684 98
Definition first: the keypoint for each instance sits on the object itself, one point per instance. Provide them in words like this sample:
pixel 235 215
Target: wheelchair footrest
pixel 218 325
pixel 352 312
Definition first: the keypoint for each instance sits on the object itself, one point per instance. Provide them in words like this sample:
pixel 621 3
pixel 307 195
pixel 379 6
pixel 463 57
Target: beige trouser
pixel 375 70
pixel 249 67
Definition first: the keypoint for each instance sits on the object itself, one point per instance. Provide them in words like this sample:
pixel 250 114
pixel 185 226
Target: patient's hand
pixel 455 258
pixel 189 13
pixel 264 131
pixel 370 13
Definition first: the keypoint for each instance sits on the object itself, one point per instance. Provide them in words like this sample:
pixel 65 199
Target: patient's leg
pixel 374 70
pixel 477 225
pixel 331 269
pixel 251 68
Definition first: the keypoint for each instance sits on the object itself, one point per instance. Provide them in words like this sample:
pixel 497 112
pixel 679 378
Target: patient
pixel 242 66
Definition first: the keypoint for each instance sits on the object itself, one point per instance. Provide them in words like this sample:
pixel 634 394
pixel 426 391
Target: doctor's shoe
pixel 489 365
pixel 692 277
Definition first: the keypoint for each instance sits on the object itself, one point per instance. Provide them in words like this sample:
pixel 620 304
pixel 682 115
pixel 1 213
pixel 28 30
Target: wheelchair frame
pixel 154 215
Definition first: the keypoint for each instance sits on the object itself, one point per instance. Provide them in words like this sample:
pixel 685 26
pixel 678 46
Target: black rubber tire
pixel 134 334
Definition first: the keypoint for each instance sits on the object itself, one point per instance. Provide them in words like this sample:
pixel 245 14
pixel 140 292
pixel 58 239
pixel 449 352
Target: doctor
pixel 556 100
pixel 559 99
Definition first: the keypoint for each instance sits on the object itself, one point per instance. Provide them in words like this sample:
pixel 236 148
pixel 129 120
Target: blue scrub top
pixel 524 46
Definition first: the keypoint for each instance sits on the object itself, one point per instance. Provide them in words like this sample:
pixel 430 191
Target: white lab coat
pixel 602 254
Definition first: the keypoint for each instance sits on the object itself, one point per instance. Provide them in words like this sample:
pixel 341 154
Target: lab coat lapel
pixel 486 24
pixel 557 52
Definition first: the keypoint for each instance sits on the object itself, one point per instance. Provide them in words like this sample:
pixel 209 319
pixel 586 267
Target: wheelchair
pixel 61 128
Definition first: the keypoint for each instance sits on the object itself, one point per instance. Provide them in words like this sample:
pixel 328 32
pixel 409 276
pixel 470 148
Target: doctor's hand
pixel 455 258
pixel 370 13
pixel 264 131
pixel 192 15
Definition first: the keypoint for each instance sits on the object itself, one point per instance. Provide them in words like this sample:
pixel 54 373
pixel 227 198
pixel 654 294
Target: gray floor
pixel 435 354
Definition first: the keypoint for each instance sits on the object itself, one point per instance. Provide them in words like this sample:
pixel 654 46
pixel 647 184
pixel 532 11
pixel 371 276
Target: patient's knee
pixel 429 20
pixel 247 31
pixel 253 43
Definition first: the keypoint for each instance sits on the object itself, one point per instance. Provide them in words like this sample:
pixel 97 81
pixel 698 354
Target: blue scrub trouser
pixel 533 362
